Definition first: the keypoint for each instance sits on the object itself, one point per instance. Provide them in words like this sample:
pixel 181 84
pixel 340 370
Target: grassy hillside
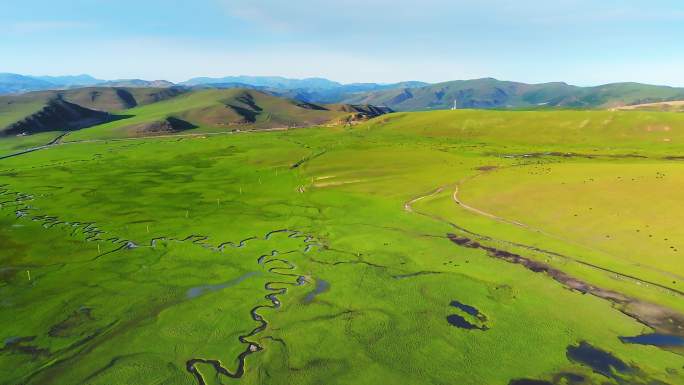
pixel 492 93
pixel 225 110
pixel 561 131
pixel 20 109
pixel 117 98
pixel 16 108
pixel 623 94
pixel 57 115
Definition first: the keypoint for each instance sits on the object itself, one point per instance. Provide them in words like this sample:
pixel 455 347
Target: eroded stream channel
pixel 275 264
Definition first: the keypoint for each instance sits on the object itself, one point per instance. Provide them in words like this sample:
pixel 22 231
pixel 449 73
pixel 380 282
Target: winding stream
pixel 279 266
pixel 273 262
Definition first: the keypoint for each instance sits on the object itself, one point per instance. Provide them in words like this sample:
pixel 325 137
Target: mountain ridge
pixel 487 93
pixel 154 111
pixel 483 93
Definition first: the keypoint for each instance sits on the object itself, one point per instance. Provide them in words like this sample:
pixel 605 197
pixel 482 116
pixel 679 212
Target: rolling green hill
pixel 57 115
pixel 117 98
pixel 492 93
pixel 486 93
pixel 229 109
pixel 72 109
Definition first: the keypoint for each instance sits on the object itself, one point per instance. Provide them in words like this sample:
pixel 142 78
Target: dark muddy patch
pixel 598 360
pixel 526 381
pixel 321 287
pixel 487 168
pixel 13 251
pixel 537 267
pixel 569 378
pixel 70 326
pixel 564 378
pixel 8 274
pixel 661 319
pixel 655 339
pixel 197 291
pixel 19 345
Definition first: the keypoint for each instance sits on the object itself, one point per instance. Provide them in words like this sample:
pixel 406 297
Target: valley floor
pixel 456 247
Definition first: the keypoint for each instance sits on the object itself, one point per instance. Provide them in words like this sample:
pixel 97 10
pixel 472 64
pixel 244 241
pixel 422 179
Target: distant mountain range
pixel 492 93
pixel 312 90
pixel 403 96
pixel 15 83
pixel 71 80
pixel 266 81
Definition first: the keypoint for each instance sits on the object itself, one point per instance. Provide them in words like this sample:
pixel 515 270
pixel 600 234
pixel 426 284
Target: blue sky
pixel 584 42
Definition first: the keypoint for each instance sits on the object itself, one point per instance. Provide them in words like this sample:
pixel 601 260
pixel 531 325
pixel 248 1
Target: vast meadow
pixel 449 247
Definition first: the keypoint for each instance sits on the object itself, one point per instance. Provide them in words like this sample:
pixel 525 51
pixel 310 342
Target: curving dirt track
pixel 474 210
pixel 657 317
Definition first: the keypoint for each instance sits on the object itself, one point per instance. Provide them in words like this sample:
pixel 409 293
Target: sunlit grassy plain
pixel 128 316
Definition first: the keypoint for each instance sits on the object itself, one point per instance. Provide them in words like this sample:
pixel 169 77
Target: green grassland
pixel 124 259
pixel 624 209
pixel 21 143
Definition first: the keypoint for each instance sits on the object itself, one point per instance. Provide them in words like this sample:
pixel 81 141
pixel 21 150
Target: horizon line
pixel 320 77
